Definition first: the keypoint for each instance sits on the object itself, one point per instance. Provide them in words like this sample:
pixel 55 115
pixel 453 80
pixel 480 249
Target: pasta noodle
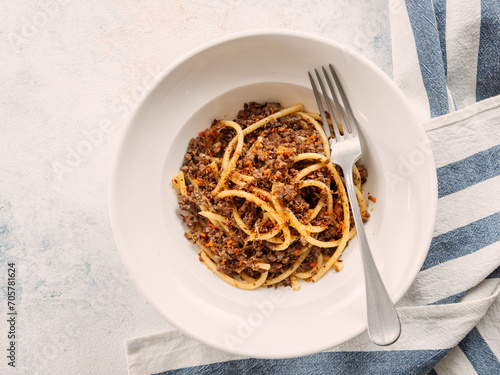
pixel 263 201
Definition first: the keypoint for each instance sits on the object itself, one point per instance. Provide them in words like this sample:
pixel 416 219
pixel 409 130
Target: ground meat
pixel 363 173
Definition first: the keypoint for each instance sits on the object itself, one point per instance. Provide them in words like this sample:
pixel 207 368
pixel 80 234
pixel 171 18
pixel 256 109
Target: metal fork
pixel 384 327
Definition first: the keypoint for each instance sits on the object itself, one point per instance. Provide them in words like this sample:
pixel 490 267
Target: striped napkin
pixel 446 57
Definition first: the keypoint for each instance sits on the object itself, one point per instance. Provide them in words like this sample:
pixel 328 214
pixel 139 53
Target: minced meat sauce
pixel 268 155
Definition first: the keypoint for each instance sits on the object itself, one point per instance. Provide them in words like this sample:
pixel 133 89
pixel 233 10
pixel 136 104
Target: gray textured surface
pixel 69 71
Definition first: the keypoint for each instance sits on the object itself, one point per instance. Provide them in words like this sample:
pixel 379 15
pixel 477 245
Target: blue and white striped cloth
pixel 446 57
pixel 446 54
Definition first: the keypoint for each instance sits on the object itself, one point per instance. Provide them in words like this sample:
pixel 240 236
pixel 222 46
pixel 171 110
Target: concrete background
pixel 68 71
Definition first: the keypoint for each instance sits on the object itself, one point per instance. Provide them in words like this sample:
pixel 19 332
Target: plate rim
pixel 178 62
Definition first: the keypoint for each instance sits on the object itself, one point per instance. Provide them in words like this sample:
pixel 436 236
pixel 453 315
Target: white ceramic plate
pixel 214 82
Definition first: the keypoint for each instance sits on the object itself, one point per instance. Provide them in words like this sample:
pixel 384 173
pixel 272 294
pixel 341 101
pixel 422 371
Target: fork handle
pixel 384 327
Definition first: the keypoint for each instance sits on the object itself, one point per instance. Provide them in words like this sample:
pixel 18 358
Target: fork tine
pixel 328 130
pixel 333 117
pixel 340 117
pixel 350 120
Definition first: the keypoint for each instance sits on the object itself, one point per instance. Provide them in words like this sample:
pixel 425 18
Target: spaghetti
pixel 263 201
